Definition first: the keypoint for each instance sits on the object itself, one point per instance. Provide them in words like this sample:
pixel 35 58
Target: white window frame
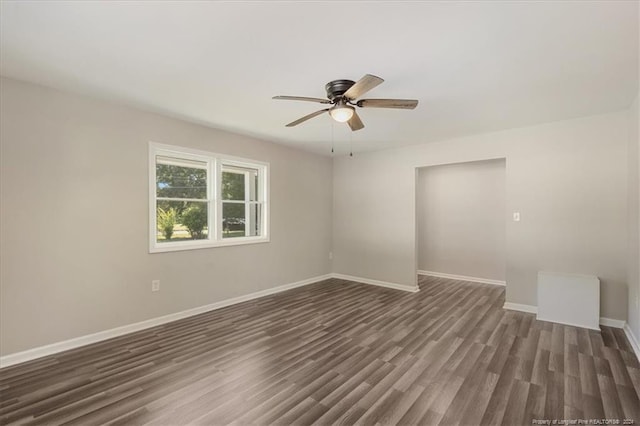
pixel 215 163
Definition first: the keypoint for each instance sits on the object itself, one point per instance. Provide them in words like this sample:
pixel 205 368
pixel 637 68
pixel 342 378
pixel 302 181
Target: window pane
pixel 233 220
pixel 255 220
pixel 232 186
pixel 176 178
pixel 181 221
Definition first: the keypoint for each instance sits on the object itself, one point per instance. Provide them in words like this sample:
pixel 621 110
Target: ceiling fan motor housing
pixel 336 88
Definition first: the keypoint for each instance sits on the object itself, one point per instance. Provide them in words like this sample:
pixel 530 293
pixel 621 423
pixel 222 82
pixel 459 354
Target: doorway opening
pixel 461 221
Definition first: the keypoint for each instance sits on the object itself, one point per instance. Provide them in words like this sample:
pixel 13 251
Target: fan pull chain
pixel 332 136
pixel 350 144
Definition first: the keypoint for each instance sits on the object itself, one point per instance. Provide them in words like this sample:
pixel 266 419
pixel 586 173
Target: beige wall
pixel 567 179
pixel 74 244
pixel 634 220
pixel 461 219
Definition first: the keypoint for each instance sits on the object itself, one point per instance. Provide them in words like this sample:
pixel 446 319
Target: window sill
pixel 195 245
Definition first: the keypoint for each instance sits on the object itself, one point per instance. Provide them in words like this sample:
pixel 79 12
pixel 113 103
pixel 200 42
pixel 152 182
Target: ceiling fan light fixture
pixel 341 112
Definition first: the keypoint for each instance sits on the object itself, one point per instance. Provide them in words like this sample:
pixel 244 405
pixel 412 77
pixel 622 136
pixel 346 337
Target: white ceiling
pixel 474 66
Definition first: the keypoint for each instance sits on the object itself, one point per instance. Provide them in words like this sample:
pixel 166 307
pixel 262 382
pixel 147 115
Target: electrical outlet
pixel 155 285
pixel 330 255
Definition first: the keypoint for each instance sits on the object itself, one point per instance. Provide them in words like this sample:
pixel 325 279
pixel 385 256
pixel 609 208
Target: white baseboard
pixel 386 284
pixel 531 309
pixel 462 278
pixel 31 354
pixel 519 307
pixel 633 340
pixel 608 322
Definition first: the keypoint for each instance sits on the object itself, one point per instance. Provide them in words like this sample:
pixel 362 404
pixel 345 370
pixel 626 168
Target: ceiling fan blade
pixel 362 86
pixel 388 103
pixel 306 117
pixel 355 123
pixel 303 98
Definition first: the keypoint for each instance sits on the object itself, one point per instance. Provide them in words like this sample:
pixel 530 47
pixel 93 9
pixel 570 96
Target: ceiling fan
pixel 343 95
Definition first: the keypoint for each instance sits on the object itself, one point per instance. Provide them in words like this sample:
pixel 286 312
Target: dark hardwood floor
pixel 338 352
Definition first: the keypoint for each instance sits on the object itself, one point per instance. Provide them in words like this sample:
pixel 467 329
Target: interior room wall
pixel 461 219
pixel 568 180
pixel 74 222
pixel 634 220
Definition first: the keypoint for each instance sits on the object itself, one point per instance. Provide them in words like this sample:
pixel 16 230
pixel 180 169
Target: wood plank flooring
pixel 337 352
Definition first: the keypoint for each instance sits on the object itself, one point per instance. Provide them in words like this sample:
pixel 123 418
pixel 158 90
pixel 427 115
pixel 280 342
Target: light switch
pixel 516 216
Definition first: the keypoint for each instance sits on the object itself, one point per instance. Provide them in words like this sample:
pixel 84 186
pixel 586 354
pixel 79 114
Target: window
pixel 199 199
